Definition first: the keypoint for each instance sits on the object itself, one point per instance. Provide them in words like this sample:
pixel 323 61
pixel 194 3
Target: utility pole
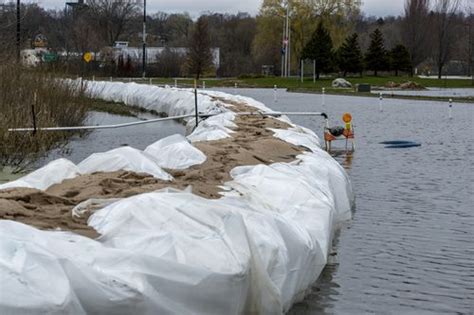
pixel 144 40
pixel 286 37
pixel 18 31
pixel 289 49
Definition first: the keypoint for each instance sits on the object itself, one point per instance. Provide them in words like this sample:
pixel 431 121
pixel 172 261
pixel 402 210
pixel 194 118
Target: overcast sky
pixel 194 7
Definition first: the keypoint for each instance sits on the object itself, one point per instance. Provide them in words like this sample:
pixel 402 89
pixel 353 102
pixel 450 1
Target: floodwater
pixel 432 92
pixel 410 246
pixel 139 136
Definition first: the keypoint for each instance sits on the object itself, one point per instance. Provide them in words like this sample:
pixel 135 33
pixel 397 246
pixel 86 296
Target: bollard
pixel 203 84
pixel 450 108
pixel 380 102
pixel 151 81
pixel 235 85
pixel 175 83
pixel 196 113
pixel 323 96
pixel 275 94
pixel 93 78
pixel 111 79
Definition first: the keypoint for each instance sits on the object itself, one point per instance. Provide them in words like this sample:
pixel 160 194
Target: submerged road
pixel 410 245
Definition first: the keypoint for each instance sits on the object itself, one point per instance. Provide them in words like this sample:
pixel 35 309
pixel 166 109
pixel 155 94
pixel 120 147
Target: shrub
pixel 56 104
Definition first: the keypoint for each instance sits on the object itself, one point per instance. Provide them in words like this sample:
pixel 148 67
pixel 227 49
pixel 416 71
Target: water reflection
pixel 344 157
pixel 139 137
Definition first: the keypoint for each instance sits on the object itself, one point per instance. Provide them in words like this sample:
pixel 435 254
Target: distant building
pixel 153 53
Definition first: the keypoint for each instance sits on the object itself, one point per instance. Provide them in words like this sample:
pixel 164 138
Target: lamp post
pixel 144 40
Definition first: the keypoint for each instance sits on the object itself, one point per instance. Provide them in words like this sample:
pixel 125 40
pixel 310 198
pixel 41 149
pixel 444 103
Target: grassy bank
pixel 293 83
pixel 308 86
pixel 29 98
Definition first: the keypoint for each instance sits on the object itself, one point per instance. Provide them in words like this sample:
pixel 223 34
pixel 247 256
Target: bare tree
pixel 444 34
pixel 415 31
pixel 199 53
pixel 112 17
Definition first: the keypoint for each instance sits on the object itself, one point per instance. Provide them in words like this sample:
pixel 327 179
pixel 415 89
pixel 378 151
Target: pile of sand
pixel 251 144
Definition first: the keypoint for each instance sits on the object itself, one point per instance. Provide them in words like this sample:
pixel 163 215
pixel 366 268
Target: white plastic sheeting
pixel 124 158
pixel 53 173
pixel 172 101
pixel 175 152
pixel 299 137
pixel 257 249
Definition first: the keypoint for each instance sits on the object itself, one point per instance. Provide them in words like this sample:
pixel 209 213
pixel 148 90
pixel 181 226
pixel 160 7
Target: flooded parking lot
pixel 409 247
pixel 431 92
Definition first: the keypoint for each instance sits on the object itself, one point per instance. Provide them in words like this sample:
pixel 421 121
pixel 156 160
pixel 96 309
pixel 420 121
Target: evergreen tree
pixel 349 56
pixel 400 59
pixel 376 57
pixel 319 48
pixel 199 52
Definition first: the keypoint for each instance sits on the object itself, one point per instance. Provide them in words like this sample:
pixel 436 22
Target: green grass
pixel 308 86
pixel 120 109
pixel 290 83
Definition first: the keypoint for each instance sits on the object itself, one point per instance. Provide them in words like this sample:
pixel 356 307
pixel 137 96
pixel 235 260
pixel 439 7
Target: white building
pixel 153 53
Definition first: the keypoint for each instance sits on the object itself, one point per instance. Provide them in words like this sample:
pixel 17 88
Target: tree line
pixel 333 33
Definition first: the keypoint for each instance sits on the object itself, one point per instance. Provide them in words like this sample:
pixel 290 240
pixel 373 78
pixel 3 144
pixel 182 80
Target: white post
pixel 111 79
pixel 275 94
pixel 175 83
pixel 302 71
pixel 93 78
pixel 286 38
pixel 380 102
pixel 203 85
pixel 235 85
pixel 314 71
pixel 450 108
pixel 129 79
pixel 151 81
pixel 323 96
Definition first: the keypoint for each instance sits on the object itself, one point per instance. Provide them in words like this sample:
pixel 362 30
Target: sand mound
pixel 250 144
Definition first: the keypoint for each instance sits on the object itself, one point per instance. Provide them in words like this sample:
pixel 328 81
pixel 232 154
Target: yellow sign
pixel 87 57
pixel 40 41
pixel 347 118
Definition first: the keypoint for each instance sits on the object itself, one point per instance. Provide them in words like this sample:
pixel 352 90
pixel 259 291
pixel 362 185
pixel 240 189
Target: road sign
pixel 87 57
pixel 49 57
pixel 40 41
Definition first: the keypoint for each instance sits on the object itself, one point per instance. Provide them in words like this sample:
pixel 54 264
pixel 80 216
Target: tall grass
pixel 53 102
